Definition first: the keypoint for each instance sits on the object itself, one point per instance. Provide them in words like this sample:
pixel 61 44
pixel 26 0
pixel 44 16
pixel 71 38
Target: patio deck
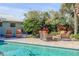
pixel 66 44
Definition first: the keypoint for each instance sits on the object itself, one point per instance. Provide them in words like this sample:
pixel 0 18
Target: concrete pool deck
pixel 66 44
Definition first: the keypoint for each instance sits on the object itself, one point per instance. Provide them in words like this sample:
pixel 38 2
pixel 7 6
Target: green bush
pixel 30 36
pixel 32 25
pixel 72 36
pixel 54 33
pixel 75 36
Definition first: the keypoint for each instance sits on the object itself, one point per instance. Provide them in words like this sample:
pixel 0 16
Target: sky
pixel 17 10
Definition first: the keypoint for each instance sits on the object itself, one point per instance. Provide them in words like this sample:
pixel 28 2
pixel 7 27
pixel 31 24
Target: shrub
pixel 75 36
pixel 30 36
pixel 54 33
pixel 31 26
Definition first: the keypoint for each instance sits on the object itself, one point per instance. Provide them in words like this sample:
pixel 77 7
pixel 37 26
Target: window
pixel 0 24
pixel 12 25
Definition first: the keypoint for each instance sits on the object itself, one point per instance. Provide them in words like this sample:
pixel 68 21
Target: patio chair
pixel 67 36
pixel 59 36
pixel 18 33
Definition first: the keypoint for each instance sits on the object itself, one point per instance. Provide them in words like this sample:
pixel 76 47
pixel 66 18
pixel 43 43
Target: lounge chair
pixel 59 36
pixel 62 36
pixel 66 36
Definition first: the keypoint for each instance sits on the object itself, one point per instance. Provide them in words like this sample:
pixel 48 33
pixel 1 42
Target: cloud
pixel 18 10
pixel 15 12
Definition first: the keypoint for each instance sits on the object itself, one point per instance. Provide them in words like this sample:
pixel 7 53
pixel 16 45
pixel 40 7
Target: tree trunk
pixel 75 24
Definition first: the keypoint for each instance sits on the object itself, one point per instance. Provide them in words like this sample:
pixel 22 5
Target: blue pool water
pixel 19 49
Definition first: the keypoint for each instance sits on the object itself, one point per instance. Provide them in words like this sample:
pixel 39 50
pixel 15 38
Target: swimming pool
pixel 20 49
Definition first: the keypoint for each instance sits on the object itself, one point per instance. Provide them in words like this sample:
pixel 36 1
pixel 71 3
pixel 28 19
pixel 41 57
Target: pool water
pixel 19 49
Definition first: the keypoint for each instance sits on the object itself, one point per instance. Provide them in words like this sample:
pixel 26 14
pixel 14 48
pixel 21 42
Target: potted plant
pixel 18 33
pixel 9 33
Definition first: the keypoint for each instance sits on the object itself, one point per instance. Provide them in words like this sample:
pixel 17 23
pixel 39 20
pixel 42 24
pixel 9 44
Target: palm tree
pixel 69 8
pixel 75 22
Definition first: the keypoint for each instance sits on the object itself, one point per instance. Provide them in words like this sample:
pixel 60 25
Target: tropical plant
pixel 54 33
pixel 32 26
pixel 75 36
pixel 67 9
pixel 32 22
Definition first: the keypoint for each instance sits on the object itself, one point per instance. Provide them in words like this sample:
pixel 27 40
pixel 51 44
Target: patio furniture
pixel 56 38
pixel 63 36
pixel 8 33
pixel 18 33
pixel 59 36
pixel 67 36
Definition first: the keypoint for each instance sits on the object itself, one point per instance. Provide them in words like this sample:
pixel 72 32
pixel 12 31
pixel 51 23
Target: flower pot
pixel 18 33
pixel 8 33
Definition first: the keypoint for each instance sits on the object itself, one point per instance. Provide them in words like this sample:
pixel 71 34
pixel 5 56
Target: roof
pixel 9 18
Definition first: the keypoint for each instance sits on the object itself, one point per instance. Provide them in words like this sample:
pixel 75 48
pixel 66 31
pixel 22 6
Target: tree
pixel 68 9
pixel 32 22
pixel 32 14
pixel 76 12
pixel 56 18
pixel 32 25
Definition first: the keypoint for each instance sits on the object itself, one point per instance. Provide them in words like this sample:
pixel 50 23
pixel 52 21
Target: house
pixel 9 23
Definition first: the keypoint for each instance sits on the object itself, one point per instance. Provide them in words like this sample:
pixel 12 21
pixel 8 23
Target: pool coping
pixel 45 45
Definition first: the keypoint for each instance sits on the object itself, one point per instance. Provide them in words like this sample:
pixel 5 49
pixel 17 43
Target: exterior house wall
pixel 0 30
pixel 6 25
